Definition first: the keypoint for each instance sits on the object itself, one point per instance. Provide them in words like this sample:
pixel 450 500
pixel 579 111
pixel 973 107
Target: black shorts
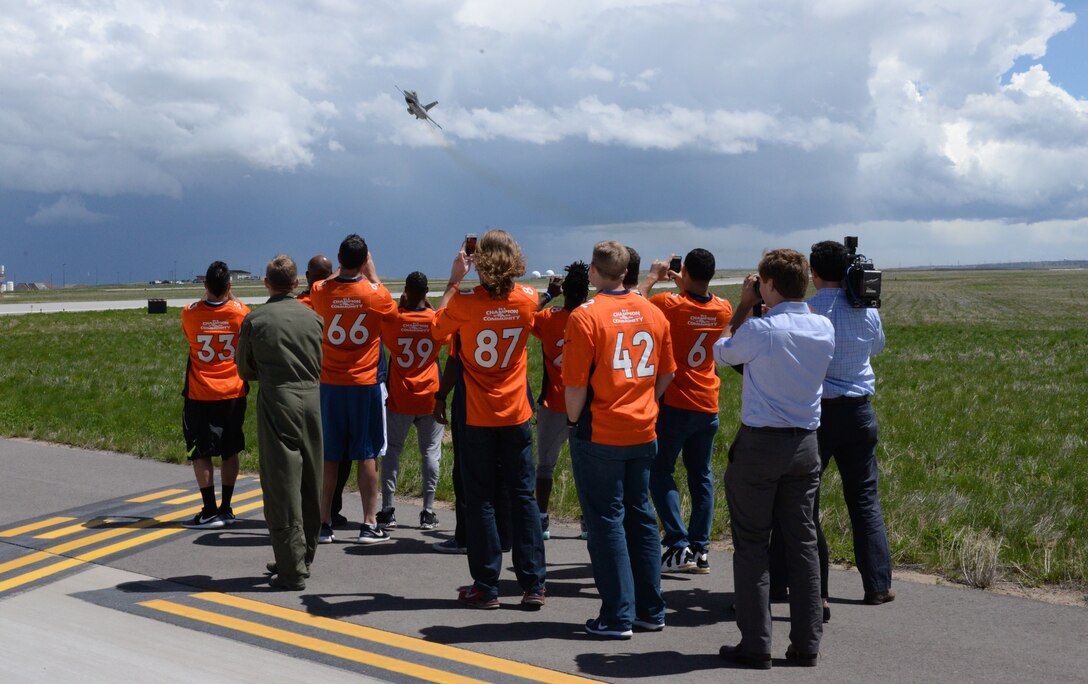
pixel 213 428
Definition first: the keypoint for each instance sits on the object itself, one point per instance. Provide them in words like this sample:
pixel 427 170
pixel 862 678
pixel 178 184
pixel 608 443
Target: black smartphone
pixel 470 244
pixel 675 264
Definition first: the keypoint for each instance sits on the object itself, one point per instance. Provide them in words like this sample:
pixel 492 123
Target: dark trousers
pixel 848 433
pixel 493 456
pixel 773 476
pixel 502 503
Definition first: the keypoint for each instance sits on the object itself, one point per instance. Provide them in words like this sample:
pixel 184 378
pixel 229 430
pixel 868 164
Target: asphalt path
pixel 97 578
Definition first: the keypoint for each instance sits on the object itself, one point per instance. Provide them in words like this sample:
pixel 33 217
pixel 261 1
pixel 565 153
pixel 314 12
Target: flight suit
pixel 280 347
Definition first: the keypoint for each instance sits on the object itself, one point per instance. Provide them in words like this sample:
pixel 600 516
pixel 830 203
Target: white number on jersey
pixel 207 352
pixel 487 347
pixel 358 334
pixel 698 353
pixel 408 355
pixel 621 357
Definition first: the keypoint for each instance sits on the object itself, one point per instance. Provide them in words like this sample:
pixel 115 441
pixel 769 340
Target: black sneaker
pixel 227 514
pixel 325 536
pixel 598 628
pixel 545 523
pixel 583 532
pixel 680 559
pixel 448 546
pixel 387 519
pixel 205 521
pixel 372 534
pixel 702 563
pixel 428 520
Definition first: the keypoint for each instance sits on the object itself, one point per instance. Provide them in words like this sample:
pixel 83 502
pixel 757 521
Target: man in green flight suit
pixel 280 347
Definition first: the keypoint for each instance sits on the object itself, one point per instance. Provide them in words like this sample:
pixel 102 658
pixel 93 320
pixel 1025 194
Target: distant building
pixel 240 275
pixel 32 287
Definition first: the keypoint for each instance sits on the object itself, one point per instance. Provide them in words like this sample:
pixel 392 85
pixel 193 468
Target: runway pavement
pixel 98 581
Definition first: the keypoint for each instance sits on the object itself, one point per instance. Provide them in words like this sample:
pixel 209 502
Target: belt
pixel 778 430
pixel 848 401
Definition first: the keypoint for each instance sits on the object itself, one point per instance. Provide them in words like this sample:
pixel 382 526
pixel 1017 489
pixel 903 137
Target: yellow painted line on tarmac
pixel 34 527
pixel 356 655
pixel 407 643
pixel 156 495
pixel 66 563
pixel 183 499
pixel 72 529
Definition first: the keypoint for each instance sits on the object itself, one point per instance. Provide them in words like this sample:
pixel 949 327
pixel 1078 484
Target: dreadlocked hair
pixel 575 285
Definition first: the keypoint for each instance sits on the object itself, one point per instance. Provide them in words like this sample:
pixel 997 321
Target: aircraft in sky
pixel 415 108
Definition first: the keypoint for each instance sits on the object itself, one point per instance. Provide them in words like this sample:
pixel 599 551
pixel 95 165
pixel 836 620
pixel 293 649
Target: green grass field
pixel 981 399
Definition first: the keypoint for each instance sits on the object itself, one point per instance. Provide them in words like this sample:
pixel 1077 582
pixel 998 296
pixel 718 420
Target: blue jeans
pixel 690 432
pixel 612 484
pixel 490 457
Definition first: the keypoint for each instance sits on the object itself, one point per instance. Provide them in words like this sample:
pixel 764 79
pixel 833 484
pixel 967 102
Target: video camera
pixel 862 278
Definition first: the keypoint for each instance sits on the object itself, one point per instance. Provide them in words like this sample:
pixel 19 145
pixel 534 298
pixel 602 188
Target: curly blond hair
pixel 498 261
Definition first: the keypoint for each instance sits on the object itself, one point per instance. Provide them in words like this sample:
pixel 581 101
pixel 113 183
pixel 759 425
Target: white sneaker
pixel 677 560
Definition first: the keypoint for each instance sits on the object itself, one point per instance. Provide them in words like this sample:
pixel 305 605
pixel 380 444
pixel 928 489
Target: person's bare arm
pixel 445 386
pixel 576 402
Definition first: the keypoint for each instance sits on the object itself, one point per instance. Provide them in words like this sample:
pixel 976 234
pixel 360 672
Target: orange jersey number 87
pixel 487 347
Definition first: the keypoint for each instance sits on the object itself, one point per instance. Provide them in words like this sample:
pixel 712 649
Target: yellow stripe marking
pixel 406 643
pixel 72 529
pixel 156 495
pixel 402 667
pixel 66 563
pixel 184 499
pixel 41 524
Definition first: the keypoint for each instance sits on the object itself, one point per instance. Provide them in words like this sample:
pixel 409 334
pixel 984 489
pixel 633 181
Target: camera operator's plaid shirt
pixel 858 335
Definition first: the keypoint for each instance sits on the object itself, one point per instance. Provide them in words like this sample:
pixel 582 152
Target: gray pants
pixel 773 476
pixel 551 433
pixel 429 433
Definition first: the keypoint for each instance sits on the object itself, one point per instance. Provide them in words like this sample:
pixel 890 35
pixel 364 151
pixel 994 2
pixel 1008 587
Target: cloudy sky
pixel 139 137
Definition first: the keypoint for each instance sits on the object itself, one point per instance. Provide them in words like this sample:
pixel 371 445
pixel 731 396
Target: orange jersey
pixel 549 326
pixel 353 310
pixel 304 298
pixel 212 332
pixel 494 334
pixel 413 361
pixel 694 326
pixel 617 345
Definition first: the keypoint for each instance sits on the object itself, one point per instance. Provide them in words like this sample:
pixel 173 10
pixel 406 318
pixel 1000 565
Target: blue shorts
pixel 352 422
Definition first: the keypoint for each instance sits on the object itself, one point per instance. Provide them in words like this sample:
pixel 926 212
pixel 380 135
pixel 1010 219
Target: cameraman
pixel 848 426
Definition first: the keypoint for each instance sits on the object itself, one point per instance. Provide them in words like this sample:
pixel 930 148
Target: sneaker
pixel 227 514
pixel 702 563
pixel 474 598
pixel 648 625
pixel 584 534
pixel 325 536
pixel 677 560
pixel 533 600
pixel 428 519
pixel 449 546
pixel 203 521
pixel 372 534
pixel 545 522
pixel 387 520
pixel 339 520
pixel 598 628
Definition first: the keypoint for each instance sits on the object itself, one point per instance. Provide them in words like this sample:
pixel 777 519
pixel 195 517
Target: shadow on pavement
pixel 505 631
pixel 646 664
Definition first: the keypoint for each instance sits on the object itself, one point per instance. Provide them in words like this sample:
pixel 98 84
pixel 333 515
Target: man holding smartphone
pixel 688 421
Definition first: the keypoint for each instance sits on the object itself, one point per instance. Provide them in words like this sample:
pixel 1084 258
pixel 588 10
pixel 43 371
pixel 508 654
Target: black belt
pixel 778 430
pixel 847 401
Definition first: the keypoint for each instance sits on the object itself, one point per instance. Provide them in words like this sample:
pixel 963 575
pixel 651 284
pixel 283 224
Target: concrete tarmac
pixel 185 585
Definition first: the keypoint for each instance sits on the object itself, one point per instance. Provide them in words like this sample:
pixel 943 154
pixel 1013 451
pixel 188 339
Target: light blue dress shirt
pixel 858 335
pixel 785 355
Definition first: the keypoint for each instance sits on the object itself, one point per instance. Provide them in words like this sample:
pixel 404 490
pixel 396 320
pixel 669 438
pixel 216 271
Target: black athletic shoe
pixel 372 534
pixel 325 536
pixel 428 520
pixel 205 521
pixel 387 519
pixel 227 514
